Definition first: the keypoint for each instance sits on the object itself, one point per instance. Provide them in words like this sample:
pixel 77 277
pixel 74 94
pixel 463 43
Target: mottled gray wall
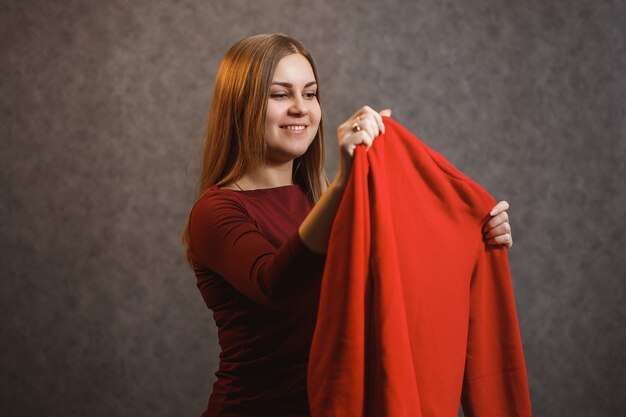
pixel 102 109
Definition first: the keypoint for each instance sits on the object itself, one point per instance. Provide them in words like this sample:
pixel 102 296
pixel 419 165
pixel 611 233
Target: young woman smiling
pixel 257 235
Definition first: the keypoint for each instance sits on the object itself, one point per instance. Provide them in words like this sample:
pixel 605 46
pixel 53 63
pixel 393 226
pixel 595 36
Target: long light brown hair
pixel 233 139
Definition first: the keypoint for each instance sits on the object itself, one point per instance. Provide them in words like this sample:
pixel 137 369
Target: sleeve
pixel 225 240
pixel 495 382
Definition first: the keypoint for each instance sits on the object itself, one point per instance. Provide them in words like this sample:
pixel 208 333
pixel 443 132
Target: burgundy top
pixel 262 284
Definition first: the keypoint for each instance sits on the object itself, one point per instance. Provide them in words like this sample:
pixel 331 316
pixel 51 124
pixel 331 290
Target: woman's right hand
pixel 361 128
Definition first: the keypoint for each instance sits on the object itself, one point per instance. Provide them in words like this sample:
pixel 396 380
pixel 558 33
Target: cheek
pixel 270 118
pixel 274 110
pixel 271 123
pixel 316 113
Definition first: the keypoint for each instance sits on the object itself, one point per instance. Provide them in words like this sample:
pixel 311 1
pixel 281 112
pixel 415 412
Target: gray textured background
pixel 102 110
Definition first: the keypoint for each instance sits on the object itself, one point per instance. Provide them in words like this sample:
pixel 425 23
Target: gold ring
pixel 356 127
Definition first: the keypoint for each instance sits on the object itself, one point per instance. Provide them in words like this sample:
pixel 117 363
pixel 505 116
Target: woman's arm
pixel 361 128
pixel 315 229
pixel 225 240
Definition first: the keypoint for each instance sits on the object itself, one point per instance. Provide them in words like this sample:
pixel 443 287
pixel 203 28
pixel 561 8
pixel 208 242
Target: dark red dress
pixel 262 284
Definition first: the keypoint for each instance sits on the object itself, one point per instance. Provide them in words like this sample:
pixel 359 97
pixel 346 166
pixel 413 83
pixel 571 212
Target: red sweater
pixel 416 312
pixel 262 284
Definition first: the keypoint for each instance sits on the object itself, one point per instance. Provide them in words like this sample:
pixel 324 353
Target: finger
pixel 385 112
pixel 500 207
pixel 355 139
pixel 496 221
pixel 377 117
pixel 505 240
pixel 502 229
pixel 363 137
pixel 367 124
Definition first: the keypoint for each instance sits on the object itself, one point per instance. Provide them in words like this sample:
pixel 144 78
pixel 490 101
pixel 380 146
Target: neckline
pixel 279 188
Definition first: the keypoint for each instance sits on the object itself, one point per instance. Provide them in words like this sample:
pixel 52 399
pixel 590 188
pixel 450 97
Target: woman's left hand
pixel 497 231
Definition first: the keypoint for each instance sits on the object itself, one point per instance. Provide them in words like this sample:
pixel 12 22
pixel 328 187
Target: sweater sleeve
pixel 495 382
pixel 225 240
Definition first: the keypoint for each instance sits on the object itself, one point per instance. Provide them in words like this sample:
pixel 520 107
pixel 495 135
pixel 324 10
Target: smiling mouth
pixel 294 128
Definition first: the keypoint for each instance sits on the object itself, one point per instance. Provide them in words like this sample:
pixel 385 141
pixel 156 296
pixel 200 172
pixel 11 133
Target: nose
pixel 298 106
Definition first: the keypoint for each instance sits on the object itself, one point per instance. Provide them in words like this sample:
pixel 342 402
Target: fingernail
pixel 493 212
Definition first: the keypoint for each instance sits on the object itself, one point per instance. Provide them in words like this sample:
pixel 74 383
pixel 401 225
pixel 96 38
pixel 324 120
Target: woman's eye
pixel 310 95
pixel 278 96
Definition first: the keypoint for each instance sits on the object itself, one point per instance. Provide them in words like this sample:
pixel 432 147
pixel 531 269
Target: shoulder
pixel 216 197
pixel 218 204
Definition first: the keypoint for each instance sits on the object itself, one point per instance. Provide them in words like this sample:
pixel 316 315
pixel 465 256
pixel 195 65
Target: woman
pixel 257 235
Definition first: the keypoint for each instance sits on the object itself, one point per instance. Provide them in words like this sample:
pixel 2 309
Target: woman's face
pixel 293 112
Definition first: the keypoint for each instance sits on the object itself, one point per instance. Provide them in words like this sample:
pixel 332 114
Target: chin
pixel 285 155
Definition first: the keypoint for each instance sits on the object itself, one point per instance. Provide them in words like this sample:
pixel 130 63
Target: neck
pixel 268 176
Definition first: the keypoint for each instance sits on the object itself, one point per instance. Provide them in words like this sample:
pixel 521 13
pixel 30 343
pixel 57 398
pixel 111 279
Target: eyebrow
pixel 289 85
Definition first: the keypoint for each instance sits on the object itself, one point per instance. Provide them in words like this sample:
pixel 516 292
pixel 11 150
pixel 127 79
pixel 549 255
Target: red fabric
pixel 262 284
pixel 415 310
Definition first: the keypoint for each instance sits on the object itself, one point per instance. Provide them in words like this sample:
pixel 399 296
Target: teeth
pixel 295 127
